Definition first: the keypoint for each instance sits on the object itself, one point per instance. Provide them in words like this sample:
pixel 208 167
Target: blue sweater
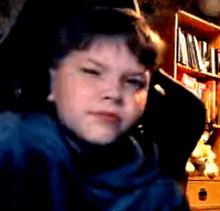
pixel 41 170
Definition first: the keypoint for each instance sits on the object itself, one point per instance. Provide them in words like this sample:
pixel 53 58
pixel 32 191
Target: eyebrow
pixel 96 63
pixel 129 71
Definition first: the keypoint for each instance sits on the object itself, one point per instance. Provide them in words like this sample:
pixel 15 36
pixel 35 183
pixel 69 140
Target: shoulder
pixel 167 192
pixel 8 122
pixel 8 130
pixel 26 124
pixel 30 134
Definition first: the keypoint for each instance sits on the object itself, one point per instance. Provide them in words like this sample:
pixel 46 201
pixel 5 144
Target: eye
pixel 90 71
pixel 136 83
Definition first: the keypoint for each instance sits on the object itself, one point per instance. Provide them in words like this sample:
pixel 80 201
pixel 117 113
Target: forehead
pixel 109 51
pixel 110 45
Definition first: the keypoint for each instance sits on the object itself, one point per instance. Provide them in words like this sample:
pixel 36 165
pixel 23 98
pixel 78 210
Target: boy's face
pixel 100 92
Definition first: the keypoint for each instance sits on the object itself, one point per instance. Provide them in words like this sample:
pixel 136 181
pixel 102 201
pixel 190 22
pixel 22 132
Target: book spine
pixel 212 61
pixel 183 49
pixel 179 48
pixel 217 61
pixel 201 66
pixel 209 99
pixel 191 51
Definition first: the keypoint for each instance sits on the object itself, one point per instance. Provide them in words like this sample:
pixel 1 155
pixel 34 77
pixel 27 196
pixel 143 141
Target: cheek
pixel 140 104
pixel 79 93
pixel 135 107
pixel 140 99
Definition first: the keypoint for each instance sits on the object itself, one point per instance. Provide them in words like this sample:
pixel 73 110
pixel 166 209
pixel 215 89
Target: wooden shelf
pixel 205 207
pixel 196 73
pixel 203 178
pixel 203 29
pixel 206 86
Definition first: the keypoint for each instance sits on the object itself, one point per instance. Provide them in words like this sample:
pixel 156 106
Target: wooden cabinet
pixel 204 81
pixel 204 194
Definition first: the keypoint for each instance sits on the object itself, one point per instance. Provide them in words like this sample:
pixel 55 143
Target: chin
pixel 101 140
pixel 100 135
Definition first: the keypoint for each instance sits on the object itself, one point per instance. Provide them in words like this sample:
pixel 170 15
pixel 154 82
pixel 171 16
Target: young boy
pixel 85 156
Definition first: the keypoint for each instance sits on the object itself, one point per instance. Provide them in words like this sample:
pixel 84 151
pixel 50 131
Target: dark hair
pixel 81 29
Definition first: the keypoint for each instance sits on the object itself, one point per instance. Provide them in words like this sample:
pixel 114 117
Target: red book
pixel 209 99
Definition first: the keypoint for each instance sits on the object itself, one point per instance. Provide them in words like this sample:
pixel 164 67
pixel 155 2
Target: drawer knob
pixel 202 194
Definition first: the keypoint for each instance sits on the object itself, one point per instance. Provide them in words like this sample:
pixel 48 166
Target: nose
pixel 112 90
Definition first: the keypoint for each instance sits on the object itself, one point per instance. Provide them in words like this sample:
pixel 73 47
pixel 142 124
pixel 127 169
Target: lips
pixel 106 117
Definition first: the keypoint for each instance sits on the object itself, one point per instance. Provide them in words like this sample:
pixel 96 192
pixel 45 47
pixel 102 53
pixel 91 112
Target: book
pixel 198 55
pixel 213 60
pixel 190 83
pixel 204 50
pixel 191 51
pixel 200 90
pixel 209 100
pixel 217 61
pixel 179 49
pixel 183 48
pixel 218 103
pixel 206 92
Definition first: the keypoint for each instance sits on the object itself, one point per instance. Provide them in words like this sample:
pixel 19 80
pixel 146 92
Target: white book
pixel 201 65
pixel 184 48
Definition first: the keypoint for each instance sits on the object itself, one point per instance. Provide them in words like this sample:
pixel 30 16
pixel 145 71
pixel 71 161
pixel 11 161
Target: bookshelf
pixel 203 79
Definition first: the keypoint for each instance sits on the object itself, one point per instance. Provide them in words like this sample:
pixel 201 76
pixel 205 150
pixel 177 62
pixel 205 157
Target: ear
pixel 53 76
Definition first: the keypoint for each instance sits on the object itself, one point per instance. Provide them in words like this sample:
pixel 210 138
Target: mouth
pixel 106 117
